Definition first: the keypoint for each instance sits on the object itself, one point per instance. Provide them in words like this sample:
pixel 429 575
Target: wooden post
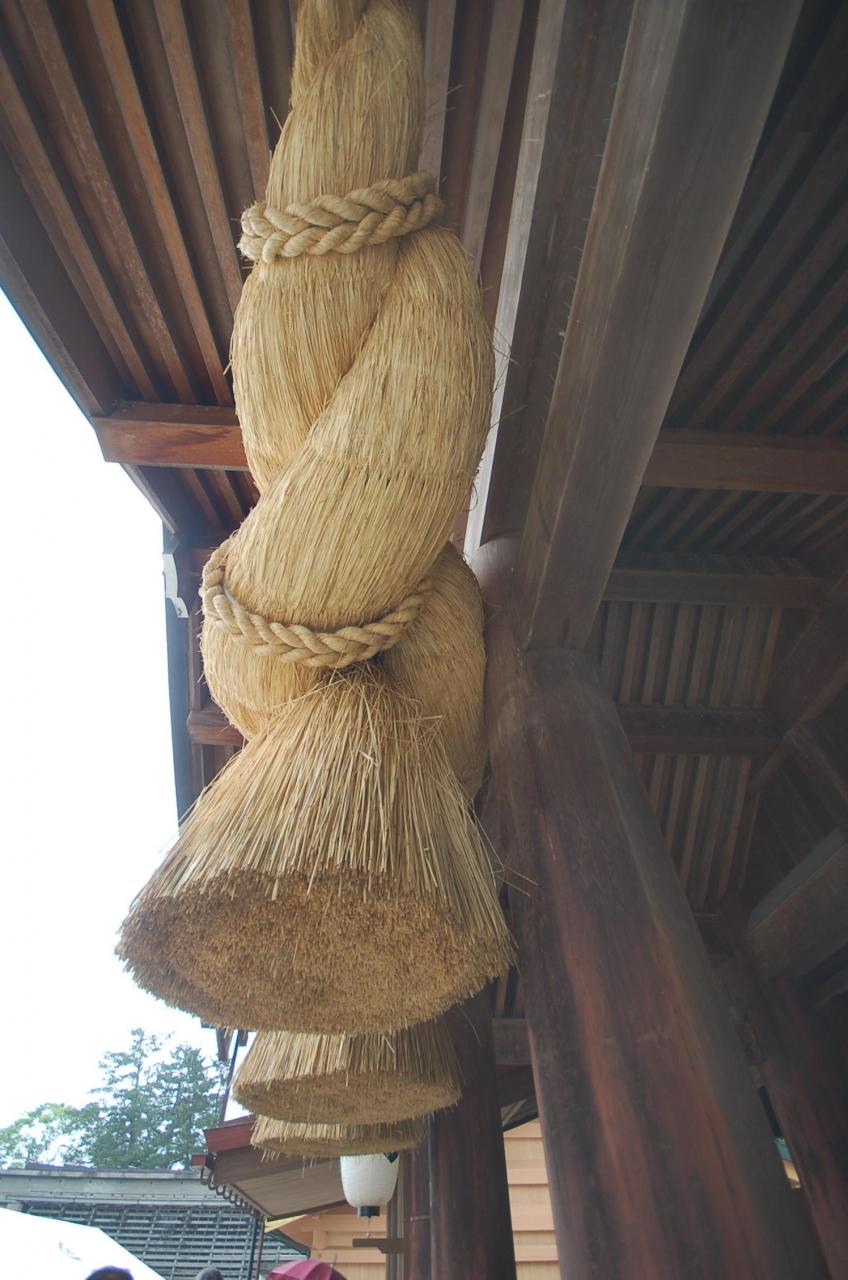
pixel 393 1269
pixel 812 1116
pixel 802 1085
pixel 660 1158
pixel 470 1225
pixel 415 1175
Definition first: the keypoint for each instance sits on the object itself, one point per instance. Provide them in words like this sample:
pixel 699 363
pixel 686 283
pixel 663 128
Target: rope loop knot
pixel 341 224
pixel 296 643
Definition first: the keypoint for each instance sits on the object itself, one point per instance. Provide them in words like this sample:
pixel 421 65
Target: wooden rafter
pixel 698 731
pixel 814 752
pixel 166 435
pixel 804 919
pixel 815 671
pixel 746 581
pixel 176 45
pixel 209 727
pixel 753 463
pixel 491 115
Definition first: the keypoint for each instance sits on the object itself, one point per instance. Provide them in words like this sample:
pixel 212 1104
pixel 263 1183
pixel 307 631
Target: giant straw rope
pixel 332 879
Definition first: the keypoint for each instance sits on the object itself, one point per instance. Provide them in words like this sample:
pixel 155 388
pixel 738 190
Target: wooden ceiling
pixel 136 132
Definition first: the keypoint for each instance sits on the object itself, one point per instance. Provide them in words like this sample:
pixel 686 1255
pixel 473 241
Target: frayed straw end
pixel 331 879
pixel 367 1079
pixel 278 1137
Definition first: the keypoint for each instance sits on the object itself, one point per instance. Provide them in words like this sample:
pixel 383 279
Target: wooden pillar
pixel 807 1102
pixel 470 1224
pixel 395 1214
pixel 800 1078
pixel 415 1174
pixel 660 1158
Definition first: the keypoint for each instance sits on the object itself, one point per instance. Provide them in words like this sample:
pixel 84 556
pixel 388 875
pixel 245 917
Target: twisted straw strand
pixel 341 224
pixel 297 643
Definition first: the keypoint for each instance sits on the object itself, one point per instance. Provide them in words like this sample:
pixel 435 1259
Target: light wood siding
pixel 530 1203
pixel 329 1234
pixel 329 1237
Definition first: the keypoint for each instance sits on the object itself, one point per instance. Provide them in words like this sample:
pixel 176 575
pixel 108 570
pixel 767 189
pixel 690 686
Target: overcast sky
pixel 87 785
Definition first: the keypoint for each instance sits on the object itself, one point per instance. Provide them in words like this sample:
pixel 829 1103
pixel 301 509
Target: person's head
pixel 210 1273
pixel 110 1273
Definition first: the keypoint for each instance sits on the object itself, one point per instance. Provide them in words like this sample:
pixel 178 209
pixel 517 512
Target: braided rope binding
pixel 297 643
pixel 341 224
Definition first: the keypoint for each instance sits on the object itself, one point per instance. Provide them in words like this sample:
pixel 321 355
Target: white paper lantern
pixel 369 1182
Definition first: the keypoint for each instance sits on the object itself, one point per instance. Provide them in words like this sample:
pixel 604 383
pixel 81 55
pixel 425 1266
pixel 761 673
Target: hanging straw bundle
pixel 367 1079
pixel 332 878
pixel 280 1138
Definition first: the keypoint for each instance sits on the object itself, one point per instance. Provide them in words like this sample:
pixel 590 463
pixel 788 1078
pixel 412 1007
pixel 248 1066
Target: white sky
pixel 87 777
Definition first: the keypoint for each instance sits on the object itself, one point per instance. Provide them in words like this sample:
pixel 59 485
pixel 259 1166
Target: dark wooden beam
pixel 172 435
pixel 491 114
pixel 389 1245
pixel 511 1046
pixel 804 684
pixel 815 671
pixel 209 727
pixel 745 581
pixel 810 1108
pixel 823 990
pixel 208 436
pixel 748 462
pixel 813 750
pixel 438 43
pixel 577 54
pixel 470 1227
pixel 415 1177
pixel 804 919
pixel 698 731
pixel 516 1085
pixel 659 1156
pixel 696 83
pixel 795 1066
pixel 176 639
pixel 394 1242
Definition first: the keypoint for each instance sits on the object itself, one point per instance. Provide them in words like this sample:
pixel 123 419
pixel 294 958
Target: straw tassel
pixel 332 878
pixel 367 1079
pixel 279 1137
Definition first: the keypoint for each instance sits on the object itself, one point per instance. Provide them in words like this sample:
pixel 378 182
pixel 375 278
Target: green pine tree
pixel 148 1111
pixel 187 1096
pixel 125 1136
pixel 51 1133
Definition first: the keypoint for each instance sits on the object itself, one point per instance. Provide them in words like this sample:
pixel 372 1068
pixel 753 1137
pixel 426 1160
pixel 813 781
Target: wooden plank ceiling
pixel 136 132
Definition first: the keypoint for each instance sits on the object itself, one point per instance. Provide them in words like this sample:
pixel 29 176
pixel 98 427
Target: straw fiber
pixel 279 1137
pixel 369 1079
pixel 324 944
pixel 332 878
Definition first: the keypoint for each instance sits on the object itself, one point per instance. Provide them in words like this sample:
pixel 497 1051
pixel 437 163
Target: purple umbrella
pixel 306 1270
